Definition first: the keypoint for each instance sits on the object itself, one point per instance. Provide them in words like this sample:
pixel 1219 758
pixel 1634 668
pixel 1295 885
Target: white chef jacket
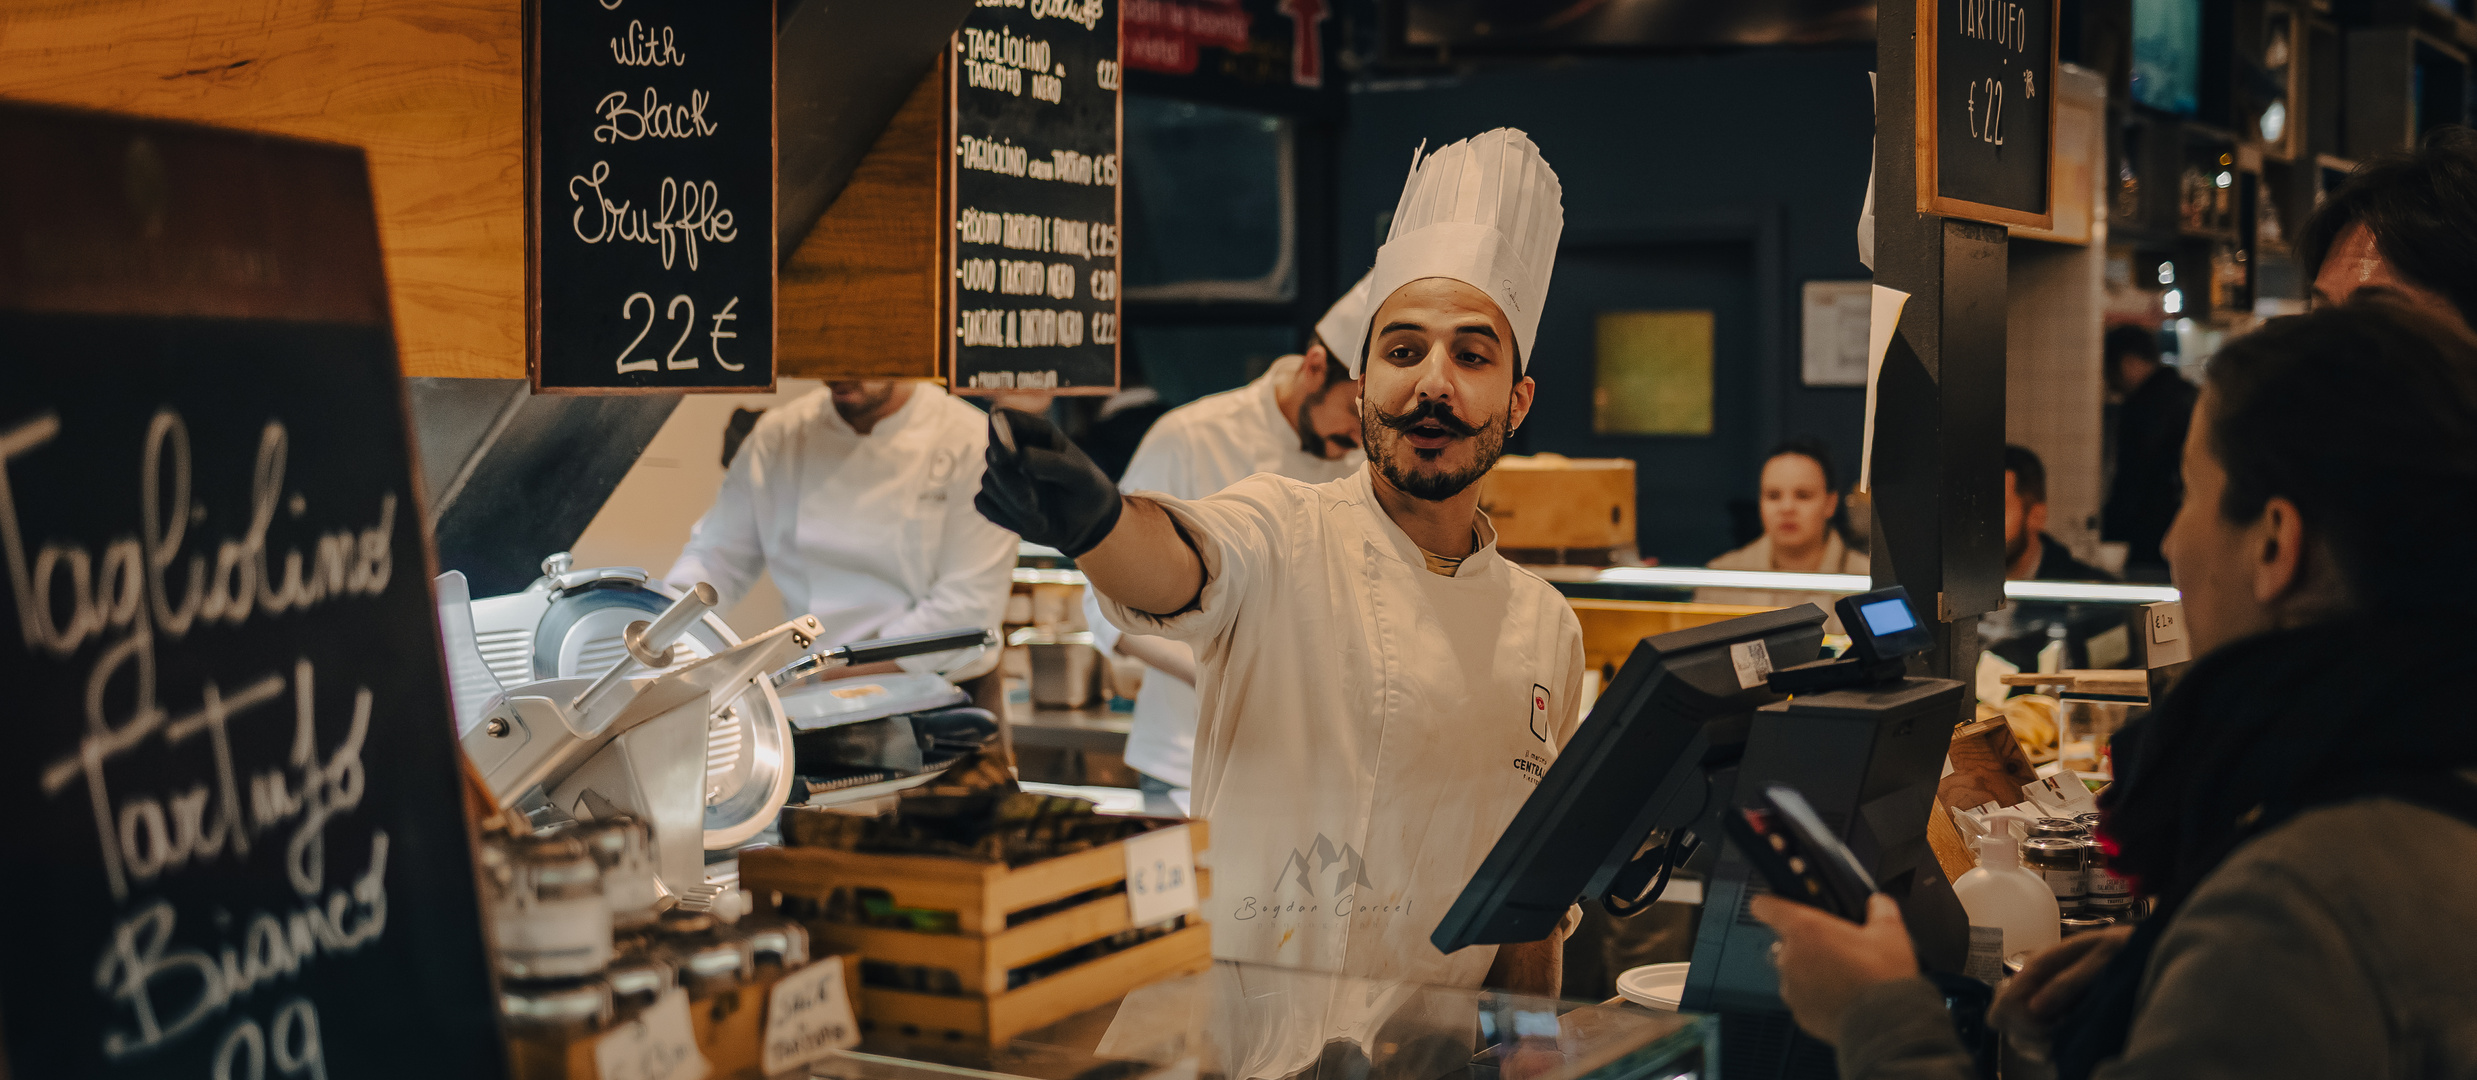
pixel 1193 451
pixel 874 534
pixel 1368 727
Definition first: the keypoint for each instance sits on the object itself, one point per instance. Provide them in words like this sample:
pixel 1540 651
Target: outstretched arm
pixel 1147 562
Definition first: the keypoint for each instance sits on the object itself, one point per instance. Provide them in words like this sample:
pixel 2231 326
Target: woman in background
pixel 1803 532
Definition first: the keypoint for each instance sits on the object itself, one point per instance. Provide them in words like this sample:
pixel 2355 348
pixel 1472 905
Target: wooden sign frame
pixel 537 224
pixel 1931 199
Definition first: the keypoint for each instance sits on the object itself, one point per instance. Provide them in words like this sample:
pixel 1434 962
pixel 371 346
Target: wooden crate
pixel 1550 502
pixel 982 896
pixel 729 1026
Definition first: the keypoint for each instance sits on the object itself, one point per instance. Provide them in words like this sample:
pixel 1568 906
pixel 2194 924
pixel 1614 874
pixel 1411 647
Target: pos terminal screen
pixel 1888 616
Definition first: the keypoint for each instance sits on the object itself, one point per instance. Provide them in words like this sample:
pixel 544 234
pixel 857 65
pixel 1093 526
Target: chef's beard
pixel 2015 548
pixel 1384 434
pixel 1327 447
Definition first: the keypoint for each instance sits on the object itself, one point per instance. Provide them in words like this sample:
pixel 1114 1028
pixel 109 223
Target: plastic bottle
pixel 2011 909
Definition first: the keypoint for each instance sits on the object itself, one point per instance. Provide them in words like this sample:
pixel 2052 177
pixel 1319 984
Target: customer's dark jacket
pixel 2056 563
pixel 2148 485
pixel 2305 932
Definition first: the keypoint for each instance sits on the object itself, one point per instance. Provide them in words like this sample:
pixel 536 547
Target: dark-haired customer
pixel 2304 805
pixel 1799 499
pixel 2403 226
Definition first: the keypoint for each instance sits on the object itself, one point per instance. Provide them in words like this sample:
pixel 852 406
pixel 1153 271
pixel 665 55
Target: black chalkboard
pixel 234 842
pixel 653 136
pixel 1034 198
pixel 1986 111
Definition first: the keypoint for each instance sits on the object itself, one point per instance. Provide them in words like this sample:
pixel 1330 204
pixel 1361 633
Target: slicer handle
pixel 870 652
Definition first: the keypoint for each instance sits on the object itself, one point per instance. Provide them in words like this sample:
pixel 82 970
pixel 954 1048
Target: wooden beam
pixel 861 298
pixel 431 90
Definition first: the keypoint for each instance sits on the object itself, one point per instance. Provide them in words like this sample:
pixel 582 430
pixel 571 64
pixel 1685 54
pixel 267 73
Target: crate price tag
pixel 1160 876
pixel 808 1016
pixel 660 1045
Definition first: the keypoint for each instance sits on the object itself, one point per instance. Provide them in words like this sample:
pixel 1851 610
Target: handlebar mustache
pixel 1439 412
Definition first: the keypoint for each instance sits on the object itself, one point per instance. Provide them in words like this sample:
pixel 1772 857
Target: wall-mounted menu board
pixel 1033 198
pixel 653 195
pixel 1986 110
pixel 235 845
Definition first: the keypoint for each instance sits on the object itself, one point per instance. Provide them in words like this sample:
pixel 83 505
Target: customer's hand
pixel 1826 961
pixel 1042 488
pixel 2027 1008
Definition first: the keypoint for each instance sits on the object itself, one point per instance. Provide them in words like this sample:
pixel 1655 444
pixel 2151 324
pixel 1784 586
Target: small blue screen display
pixel 1887 617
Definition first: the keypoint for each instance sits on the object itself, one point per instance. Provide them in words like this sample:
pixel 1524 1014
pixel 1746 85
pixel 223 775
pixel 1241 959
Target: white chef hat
pixel 1487 212
pixel 1344 328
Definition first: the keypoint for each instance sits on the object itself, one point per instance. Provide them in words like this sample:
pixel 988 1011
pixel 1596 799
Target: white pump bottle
pixel 2011 909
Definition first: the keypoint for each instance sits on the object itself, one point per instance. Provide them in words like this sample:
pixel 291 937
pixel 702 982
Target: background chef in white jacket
pixel 1299 419
pixel 858 499
pixel 1380 689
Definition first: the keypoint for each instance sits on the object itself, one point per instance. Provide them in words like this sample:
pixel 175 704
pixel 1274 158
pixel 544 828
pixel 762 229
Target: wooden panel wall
pixel 432 90
pixel 861 297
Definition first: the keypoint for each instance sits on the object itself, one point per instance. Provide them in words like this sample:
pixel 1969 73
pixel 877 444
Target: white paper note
pixel 808 1016
pixel 1160 876
pixel 1881 323
pixel 659 1045
pixel 1753 663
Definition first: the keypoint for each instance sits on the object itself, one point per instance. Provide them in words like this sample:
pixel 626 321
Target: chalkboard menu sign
pixel 234 840
pixel 1034 197
pixel 653 195
pixel 1986 110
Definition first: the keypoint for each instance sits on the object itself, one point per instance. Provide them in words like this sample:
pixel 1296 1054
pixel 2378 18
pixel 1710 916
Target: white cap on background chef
pixel 1379 689
pixel 1299 419
pixel 858 500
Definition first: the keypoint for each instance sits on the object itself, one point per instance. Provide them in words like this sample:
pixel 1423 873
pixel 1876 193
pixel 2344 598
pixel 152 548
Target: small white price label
pixel 1753 663
pixel 808 1016
pixel 660 1045
pixel 1160 876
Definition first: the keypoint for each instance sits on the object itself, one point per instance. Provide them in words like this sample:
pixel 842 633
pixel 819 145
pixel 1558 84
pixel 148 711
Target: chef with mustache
pixel 1379 688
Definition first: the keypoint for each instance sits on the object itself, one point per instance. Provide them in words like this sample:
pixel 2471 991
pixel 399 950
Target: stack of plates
pixel 1654 986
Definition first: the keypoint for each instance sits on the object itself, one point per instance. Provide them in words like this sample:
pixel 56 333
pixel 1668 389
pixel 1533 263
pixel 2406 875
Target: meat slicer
pixel 602 691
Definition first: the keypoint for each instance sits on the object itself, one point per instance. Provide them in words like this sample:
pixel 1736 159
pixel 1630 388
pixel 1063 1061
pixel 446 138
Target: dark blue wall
pixel 1763 150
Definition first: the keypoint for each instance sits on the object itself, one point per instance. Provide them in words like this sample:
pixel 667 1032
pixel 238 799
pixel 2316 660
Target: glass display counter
pixel 1247 1022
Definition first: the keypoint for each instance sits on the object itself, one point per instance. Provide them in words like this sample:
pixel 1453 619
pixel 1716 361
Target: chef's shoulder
pixel 1182 430
pixel 1267 512
pixel 1273 495
pixel 777 424
pixel 1534 592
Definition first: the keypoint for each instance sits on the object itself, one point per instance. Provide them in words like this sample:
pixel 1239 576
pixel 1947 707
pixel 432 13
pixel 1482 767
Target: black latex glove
pixel 1042 487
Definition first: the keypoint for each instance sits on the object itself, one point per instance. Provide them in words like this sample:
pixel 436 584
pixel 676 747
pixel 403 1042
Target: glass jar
pixel 775 942
pixel 549 917
pixel 638 975
pixel 2066 828
pixel 2063 863
pixel 625 850
pixel 2106 893
pixel 555 1010
pixel 712 958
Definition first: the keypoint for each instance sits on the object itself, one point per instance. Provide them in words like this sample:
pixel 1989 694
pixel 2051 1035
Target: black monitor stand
pixel 1868 759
